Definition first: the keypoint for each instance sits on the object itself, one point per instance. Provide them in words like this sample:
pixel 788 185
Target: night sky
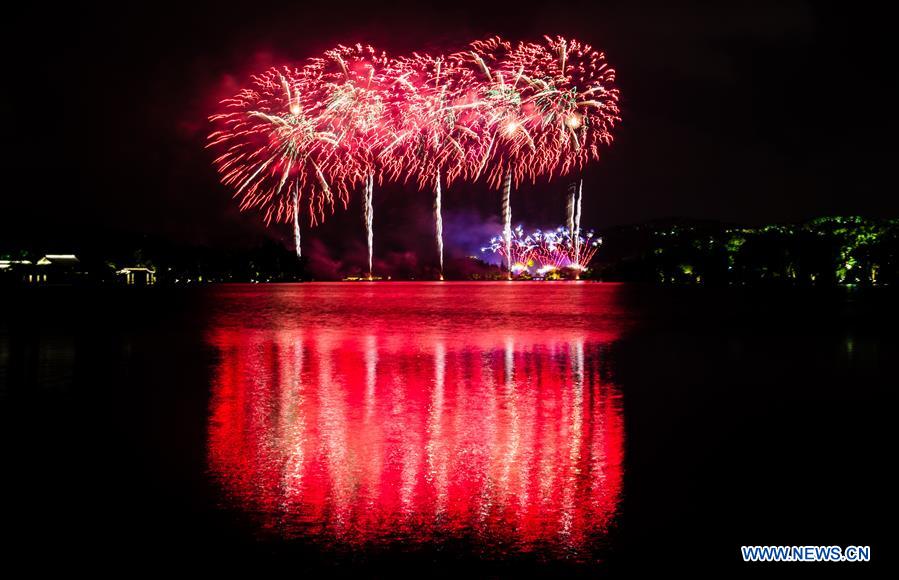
pixel 750 112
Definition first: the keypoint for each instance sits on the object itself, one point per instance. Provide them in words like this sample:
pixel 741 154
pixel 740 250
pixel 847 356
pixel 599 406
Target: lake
pixel 500 428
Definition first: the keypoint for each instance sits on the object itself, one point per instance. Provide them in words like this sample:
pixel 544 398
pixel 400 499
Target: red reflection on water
pixel 510 439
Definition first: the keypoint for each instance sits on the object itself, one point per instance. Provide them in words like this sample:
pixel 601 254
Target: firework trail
pixel 438 222
pixel 368 215
pixel 297 242
pixel 576 237
pixel 569 207
pixel 507 218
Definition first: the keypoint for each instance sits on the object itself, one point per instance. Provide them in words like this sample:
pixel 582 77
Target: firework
pixel 276 148
pixel 574 109
pixel 517 249
pixel 495 101
pixel 543 109
pixel 559 250
pixel 499 120
pixel 353 117
pixel 542 252
pixel 547 108
pixel 571 100
pixel 350 88
pixel 586 249
pixel 551 250
pixel 436 126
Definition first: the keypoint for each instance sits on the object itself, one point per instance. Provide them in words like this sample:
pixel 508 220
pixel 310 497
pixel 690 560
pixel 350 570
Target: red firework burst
pixel 495 106
pixel 350 91
pixel 437 122
pixel 571 100
pixel 316 132
pixel 275 145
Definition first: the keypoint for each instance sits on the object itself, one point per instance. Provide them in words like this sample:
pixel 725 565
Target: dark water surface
pixel 488 427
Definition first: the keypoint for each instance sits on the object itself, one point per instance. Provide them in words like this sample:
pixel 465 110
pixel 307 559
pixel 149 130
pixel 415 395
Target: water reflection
pixel 504 435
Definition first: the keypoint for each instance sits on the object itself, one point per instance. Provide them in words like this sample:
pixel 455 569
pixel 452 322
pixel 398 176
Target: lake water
pixel 490 427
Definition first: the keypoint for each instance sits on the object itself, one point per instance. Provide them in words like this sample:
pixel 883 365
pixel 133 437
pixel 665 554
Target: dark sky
pixel 750 111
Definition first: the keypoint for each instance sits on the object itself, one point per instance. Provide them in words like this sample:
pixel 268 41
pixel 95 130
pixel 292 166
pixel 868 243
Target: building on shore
pixel 15 271
pixel 56 269
pixel 137 276
pixel 50 269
